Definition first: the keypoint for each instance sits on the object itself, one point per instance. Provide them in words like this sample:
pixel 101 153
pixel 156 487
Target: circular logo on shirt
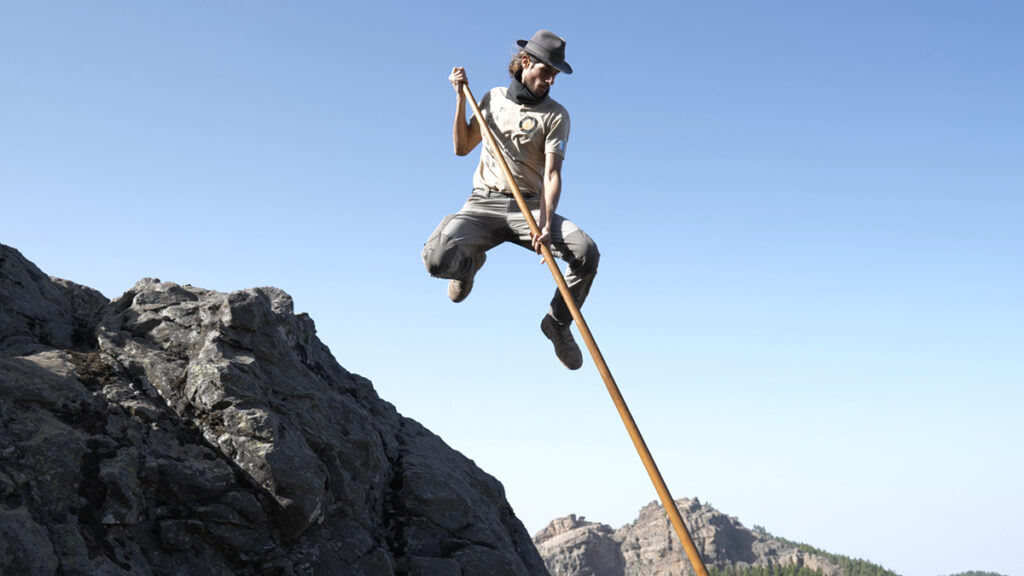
pixel 528 124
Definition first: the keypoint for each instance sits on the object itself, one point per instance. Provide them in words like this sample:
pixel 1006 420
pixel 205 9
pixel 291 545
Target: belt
pixel 495 193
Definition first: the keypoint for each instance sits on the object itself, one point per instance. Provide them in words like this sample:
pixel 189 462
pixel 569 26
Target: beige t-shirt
pixel 525 134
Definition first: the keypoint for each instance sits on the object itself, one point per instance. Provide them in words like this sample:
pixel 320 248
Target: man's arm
pixel 549 199
pixel 465 135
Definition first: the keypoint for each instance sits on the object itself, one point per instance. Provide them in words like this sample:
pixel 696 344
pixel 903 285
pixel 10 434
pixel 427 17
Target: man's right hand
pixel 457 78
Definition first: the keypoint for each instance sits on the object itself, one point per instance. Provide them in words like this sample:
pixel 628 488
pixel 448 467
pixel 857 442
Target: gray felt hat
pixel 549 48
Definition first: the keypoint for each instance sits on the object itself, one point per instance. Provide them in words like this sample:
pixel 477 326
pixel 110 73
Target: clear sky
pixel 810 216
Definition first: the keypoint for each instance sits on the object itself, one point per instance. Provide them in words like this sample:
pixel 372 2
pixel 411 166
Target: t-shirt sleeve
pixel 484 106
pixel 558 135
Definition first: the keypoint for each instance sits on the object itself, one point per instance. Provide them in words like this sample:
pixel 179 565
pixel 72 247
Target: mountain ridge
pixel 648 546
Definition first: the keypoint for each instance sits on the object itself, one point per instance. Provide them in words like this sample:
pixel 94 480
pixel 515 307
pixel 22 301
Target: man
pixel 532 130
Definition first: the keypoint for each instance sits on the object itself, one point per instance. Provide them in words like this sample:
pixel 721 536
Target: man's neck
pixel 519 93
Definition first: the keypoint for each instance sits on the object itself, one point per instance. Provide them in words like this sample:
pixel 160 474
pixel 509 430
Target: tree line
pixel 847 566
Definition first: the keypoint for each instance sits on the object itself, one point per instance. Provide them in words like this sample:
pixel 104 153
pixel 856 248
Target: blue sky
pixel 809 215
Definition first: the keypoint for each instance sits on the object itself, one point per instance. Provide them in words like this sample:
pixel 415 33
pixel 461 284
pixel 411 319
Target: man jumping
pixel 532 130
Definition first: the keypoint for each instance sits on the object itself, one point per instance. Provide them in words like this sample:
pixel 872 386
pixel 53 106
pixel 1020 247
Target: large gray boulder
pixel 176 430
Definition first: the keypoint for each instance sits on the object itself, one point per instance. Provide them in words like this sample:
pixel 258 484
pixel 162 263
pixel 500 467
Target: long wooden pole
pixel 620 403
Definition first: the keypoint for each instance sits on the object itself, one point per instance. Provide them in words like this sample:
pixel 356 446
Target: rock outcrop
pixel 571 545
pixel 176 430
pixel 649 546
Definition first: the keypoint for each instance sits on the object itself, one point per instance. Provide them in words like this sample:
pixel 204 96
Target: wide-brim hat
pixel 549 48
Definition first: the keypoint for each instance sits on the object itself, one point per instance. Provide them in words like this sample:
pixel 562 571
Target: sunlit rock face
pixel 176 430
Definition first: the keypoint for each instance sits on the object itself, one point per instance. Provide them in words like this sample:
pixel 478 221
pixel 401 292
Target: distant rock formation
pixel 649 546
pixel 176 430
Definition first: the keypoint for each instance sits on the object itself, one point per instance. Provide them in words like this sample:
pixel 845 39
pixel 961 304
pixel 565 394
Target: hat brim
pixel 560 66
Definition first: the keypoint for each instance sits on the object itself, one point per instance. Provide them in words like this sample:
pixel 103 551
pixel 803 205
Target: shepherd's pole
pixel 620 403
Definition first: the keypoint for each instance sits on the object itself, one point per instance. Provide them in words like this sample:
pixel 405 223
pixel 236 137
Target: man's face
pixel 538 77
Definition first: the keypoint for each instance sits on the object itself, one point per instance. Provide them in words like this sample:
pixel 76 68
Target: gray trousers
pixel 490 218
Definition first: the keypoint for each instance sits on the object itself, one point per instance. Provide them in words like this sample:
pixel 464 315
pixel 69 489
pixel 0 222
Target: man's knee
pixel 440 259
pixel 440 254
pixel 586 254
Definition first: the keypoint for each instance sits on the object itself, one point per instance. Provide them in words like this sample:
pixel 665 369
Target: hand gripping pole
pixel 588 338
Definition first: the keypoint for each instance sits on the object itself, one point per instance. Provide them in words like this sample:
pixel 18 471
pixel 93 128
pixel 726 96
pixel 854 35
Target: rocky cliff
pixel 176 430
pixel 572 546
